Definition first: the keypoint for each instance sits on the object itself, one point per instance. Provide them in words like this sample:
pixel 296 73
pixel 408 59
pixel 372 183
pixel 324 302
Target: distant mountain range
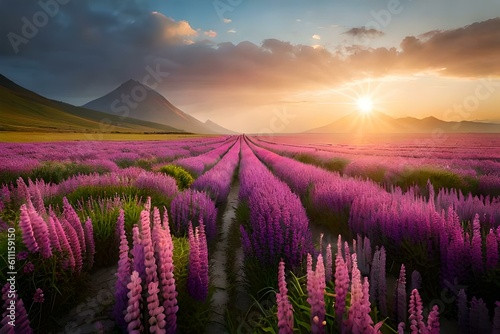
pixel 141 102
pixel 24 110
pixel 377 122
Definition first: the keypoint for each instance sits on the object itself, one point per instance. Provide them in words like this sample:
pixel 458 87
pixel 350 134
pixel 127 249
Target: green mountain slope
pixel 24 110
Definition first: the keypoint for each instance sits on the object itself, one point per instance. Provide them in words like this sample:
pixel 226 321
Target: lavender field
pixel 251 234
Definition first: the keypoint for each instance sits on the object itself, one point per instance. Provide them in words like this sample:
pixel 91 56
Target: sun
pixel 365 104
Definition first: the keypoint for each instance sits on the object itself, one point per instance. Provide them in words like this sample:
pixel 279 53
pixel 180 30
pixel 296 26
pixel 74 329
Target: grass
pixel 40 136
pixel 182 177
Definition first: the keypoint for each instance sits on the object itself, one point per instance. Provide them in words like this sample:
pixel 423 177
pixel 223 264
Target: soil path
pixel 218 264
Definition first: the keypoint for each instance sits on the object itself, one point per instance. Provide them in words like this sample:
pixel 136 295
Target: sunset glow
pixel 365 105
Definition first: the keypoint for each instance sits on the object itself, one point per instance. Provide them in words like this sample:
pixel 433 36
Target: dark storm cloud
pixel 364 32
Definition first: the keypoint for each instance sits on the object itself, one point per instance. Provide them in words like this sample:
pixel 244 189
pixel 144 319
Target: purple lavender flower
pixel 433 321
pixel 22 324
pixel 38 297
pixel 29 268
pixel 123 275
pixel 21 256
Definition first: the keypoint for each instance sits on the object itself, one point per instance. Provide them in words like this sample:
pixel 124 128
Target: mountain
pixel 218 129
pixel 139 101
pixel 378 122
pixel 24 110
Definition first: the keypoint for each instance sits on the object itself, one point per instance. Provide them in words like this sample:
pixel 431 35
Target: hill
pixel 140 101
pixel 378 122
pixel 24 110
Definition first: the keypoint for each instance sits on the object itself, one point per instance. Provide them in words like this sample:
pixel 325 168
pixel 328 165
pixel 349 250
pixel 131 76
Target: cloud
pixel 364 32
pixel 225 20
pixel 231 31
pixel 317 37
pixel 86 52
pixel 210 33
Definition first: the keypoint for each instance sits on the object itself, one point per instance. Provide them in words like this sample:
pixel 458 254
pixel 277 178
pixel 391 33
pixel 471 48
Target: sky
pixel 256 65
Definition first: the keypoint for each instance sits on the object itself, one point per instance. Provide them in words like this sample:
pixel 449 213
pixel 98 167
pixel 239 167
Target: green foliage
pixel 333 165
pixel 439 178
pixel 104 215
pixel 183 178
pixel 52 171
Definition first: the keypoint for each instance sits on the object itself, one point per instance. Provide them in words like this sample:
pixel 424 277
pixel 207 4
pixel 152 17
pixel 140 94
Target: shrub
pixel 183 178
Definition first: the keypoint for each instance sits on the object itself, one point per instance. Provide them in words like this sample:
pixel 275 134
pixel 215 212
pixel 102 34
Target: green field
pixel 15 136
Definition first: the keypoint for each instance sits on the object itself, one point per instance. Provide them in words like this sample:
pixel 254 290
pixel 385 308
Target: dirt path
pixel 95 311
pixel 218 264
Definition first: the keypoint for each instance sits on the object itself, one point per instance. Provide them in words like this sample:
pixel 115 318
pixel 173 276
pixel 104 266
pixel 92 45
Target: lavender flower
pixel 29 268
pixel 40 232
pixel 138 253
pixel 147 245
pixel 21 256
pixel 27 230
pixel 70 215
pixel 400 296
pixel 90 245
pixel 285 310
pixel 156 316
pixel 164 250
pixel 315 291
pixel 38 296
pixel 433 321
pixel 123 275
pixel 329 263
pixel 415 310
pixel 133 314
pixel 479 320
pixel 341 285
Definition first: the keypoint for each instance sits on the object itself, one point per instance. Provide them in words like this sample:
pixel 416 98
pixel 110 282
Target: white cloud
pixel 231 31
pixel 227 20
pixel 210 33
pixel 316 36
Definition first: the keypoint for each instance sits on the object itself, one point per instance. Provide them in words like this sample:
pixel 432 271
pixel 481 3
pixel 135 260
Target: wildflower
pixel 285 310
pixel 39 296
pixel 29 268
pixel 21 256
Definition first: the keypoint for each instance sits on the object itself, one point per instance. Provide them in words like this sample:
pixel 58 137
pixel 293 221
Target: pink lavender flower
pixel 285 310
pixel 147 245
pixel 74 243
pixel 29 268
pixel 382 285
pixel 72 217
pixel 415 311
pixel 69 259
pixel 329 263
pixel 38 297
pixel 164 250
pixel 90 245
pixel 359 320
pixel 40 232
pixel 21 256
pixel 138 253
pixel 156 316
pixel 316 296
pixel 341 285
pixel 54 239
pixel 27 230
pixel 133 313
pixel 433 321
